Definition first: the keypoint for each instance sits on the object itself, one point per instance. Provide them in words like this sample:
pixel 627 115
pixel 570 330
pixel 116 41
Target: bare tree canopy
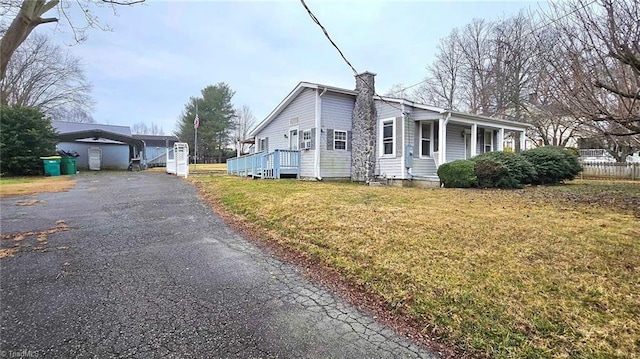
pixel 244 121
pixel 28 14
pixel 44 75
pixel 598 71
pixel 141 128
pixel 572 71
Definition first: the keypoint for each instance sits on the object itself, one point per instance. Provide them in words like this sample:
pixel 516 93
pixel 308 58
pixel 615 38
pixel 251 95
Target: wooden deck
pixel 266 165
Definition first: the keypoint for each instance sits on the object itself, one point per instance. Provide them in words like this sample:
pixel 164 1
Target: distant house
pixel 156 148
pixel 310 135
pixel 111 146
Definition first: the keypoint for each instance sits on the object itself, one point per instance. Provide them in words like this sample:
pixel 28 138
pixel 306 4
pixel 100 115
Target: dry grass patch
pixel 525 273
pixel 12 243
pixel 22 186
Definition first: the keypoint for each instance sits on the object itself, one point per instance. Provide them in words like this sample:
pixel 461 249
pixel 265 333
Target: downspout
pixel 316 154
pixel 403 159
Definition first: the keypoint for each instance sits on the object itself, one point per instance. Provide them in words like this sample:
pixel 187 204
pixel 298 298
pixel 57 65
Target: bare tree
pixel 442 86
pixel 598 74
pixel 43 75
pixel 141 128
pixel 244 121
pixel 28 14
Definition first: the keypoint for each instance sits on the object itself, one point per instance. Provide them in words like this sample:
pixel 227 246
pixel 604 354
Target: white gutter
pixel 404 145
pixel 318 119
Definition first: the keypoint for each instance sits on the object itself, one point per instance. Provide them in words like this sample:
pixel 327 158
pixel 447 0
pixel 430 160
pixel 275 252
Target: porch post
pixel 442 141
pixel 523 137
pixel 474 139
pixel 500 144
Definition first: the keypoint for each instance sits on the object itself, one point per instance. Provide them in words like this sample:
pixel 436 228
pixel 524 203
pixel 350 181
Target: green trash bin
pixel 51 165
pixel 68 165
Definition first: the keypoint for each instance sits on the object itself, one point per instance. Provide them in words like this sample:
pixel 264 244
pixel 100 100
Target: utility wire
pixel 355 72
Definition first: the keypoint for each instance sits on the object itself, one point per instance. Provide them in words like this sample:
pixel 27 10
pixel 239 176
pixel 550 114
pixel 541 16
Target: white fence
pixel 605 170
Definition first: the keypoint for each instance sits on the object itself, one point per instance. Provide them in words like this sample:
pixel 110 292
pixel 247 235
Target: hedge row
pixel 541 165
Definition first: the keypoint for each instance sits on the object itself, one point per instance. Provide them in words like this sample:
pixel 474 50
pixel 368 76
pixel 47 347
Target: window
pixel 488 141
pixel 425 139
pixel 339 140
pixel 387 137
pixel 306 135
pixel 262 145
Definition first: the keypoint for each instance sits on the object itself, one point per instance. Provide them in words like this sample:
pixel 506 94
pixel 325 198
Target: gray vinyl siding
pixel 303 108
pixel 388 167
pixel 114 156
pixel 336 114
pixel 455 142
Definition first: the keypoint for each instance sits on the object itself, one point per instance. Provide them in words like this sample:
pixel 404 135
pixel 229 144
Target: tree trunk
pixel 22 25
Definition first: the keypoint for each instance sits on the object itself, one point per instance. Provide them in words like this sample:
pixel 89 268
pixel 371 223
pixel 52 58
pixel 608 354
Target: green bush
pixel 553 164
pixel 25 135
pixel 503 170
pixel 457 174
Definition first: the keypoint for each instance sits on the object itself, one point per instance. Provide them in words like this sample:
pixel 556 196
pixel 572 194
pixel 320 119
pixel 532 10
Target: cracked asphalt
pixel 146 269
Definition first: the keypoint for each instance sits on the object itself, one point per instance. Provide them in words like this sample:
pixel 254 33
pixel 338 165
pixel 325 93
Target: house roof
pixel 310 85
pixel 65 127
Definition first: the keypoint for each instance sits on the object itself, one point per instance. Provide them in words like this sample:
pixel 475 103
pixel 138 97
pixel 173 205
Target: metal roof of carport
pixel 97 133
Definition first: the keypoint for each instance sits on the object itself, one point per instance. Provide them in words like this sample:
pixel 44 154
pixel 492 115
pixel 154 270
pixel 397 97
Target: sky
pixel 161 53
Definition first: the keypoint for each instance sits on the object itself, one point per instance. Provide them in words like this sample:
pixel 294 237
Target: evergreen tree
pixel 25 135
pixel 216 114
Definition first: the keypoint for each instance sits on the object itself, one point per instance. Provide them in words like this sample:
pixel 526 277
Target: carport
pixel 94 136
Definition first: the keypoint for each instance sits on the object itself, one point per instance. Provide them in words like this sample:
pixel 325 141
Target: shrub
pixel 457 174
pixel 25 135
pixel 553 164
pixel 503 170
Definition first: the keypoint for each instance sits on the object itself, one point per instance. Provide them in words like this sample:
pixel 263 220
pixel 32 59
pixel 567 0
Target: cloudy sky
pixel 163 52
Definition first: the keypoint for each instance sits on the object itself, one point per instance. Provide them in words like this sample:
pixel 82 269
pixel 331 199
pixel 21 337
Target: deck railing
pixel 266 165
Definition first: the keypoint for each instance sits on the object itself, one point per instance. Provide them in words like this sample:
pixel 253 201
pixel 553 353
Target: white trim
pixel 346 140
pixel 500 143
pixel 403 160
pixel 290 137
pixel 381 140
pixel 467 134
pixel 317 151
pixel 484 141
pixel 474 140
pixel 430 139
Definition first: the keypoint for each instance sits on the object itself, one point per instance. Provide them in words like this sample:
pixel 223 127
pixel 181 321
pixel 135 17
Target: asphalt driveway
pixel 134 265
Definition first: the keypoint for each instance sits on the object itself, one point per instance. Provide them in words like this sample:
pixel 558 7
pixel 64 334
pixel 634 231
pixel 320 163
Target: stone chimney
pixel 363 141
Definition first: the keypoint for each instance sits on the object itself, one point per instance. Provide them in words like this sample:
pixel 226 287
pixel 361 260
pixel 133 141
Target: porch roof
pixel 437 110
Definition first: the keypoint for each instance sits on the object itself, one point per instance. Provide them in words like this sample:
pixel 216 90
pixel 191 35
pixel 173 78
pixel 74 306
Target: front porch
pixel 266 165
pixel 462 139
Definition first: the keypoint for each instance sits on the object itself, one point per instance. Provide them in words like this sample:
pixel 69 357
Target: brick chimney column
pixel 363 145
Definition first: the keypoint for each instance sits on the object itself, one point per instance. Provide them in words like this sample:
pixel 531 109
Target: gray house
pixel 110 147
pixel 310 134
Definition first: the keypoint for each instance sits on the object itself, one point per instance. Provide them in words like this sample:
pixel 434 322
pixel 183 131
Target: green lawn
pixel 539 272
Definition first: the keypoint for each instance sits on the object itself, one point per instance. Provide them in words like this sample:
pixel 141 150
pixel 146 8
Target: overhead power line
pixel 355 72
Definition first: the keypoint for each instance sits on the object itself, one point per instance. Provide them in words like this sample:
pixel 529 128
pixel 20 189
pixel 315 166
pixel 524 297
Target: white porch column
pixel 474 139
pixel 500 144
pixel 442 141
pixel 523 137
